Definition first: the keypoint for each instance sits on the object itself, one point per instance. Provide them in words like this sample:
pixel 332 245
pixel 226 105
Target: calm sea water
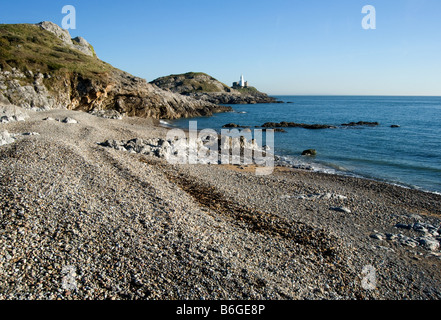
pixel 409 155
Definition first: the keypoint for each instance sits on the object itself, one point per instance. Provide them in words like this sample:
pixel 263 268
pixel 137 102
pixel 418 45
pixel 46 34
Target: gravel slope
pixel 81 221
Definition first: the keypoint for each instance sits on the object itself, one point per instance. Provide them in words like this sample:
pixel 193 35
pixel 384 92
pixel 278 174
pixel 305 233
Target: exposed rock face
pixel 25 91
pixel 234 98
pixel 11 113
pixel 133 96
pixel 206 88
pixel 61 33
pixel 78 43
pixel 120 91
pixel 82 45
pixel 52 80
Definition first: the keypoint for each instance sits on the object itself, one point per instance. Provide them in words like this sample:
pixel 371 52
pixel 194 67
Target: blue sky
pixel 281 46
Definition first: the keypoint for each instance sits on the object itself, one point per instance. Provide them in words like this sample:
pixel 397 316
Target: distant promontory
pixel 202 86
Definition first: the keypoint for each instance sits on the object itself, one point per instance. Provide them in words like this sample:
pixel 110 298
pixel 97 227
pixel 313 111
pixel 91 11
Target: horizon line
pixel 354 95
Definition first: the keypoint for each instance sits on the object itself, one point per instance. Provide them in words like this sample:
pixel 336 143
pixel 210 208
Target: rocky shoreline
pixel 79 220
pixel 67 74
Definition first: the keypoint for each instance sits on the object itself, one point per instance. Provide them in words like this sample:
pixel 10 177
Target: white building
pixel 242 81
pixel 241 84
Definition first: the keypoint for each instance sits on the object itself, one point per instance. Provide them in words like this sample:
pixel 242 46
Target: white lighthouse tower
pixel 242 81
pixel 241 84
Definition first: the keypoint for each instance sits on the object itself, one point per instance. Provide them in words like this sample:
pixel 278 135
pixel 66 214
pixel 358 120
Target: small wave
pixel 341 171
pixel 310 166
pixel 164 123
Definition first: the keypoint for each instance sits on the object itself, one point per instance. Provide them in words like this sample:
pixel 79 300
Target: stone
pixel 377 236
pixel 11 113
pixel 424 227
pixel 429 243
pixel 342 209
pixel 69 121
pixel 231 125
pixel 6 138
pixel 407 241
pixel 309 152
pixel 391 237
pixel 30 134
pixel 179 149
pixel 107 114
pixel 403 226
pixel 82 45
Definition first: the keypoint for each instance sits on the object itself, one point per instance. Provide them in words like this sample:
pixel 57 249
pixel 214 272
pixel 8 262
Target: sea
pixel 409 156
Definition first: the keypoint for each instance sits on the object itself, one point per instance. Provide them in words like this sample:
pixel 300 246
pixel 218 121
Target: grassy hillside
pixel 28 47
pixel 192 82
pixel 247 90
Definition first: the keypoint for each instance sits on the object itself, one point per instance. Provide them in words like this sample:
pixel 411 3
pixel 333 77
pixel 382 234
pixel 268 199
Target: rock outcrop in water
pixel 42 68
pixel 203 87
pixel 361 123
pixel 297 125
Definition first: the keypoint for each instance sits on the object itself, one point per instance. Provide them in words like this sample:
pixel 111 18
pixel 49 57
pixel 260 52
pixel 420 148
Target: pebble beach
pixel 82 221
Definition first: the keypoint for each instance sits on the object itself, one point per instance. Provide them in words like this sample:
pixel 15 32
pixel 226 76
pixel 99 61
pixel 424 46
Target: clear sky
pixel 281 46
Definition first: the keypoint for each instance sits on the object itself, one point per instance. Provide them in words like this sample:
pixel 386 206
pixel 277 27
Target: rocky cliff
pixel 41 67
pixel 203 87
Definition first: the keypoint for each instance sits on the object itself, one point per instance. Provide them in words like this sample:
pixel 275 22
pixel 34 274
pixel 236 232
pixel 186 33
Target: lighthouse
pixel 242 81
pixel 241 84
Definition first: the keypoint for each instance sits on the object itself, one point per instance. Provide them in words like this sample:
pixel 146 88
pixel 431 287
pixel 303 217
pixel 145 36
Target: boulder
pixel 309 152
pixel 61 33
pixel 231 125
pixel 82 45
pixel 6 138
pixel 69 121
pixel 429 243
pixel 342 210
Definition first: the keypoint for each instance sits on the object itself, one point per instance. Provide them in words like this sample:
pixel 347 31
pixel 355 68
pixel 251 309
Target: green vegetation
pixel 247 90
pixel 28 47
pixel 196 82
